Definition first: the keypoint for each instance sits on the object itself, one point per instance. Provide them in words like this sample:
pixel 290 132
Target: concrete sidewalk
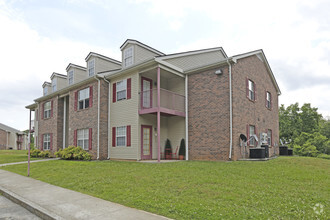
pixel 52 202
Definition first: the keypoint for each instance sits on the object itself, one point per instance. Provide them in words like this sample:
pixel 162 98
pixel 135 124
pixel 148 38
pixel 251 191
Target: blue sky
pixel 41 37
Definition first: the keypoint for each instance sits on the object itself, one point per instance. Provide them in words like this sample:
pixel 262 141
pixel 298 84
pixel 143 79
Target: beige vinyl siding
pixel 176 85
pixel 197 60
pixel 140 54
pixel 78 75
pixel 61 83
pixel 105 65
pixel 123 113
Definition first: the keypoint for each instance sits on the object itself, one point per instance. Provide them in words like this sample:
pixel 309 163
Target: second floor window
pixel 83 98
pixel 268 100
pixel 47 109
pixel 121 89
pixel 128 56
pixel 46 142
pixel 91 67
pixel 251 90
pixel 70 75
pixel 54 84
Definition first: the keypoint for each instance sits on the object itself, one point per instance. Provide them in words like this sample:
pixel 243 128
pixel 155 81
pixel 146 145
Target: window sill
pixel 84 109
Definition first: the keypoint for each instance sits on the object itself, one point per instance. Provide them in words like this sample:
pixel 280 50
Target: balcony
pixel 171 104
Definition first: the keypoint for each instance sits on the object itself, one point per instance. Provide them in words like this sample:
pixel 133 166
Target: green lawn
pixel 283 188
pixel 11 156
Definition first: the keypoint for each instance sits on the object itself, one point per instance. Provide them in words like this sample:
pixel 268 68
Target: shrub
pixel 182 150
pixel 168 149
pixel 45 154
pixel 73 153
pixel 306 149
pixel 324 156
pixel 35 153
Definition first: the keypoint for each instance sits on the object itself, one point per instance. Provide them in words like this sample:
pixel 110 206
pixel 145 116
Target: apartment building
pixel 127 109
pixel 12 139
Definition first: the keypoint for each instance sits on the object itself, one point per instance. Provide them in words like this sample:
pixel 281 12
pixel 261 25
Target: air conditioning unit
pixel 263 138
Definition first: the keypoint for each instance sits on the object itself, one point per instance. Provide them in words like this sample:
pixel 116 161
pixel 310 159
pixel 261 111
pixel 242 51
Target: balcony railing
pixel 170 102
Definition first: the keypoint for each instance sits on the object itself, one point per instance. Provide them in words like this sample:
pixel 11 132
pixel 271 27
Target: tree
pixel 310 118
pixel 290 122
pixel 325 127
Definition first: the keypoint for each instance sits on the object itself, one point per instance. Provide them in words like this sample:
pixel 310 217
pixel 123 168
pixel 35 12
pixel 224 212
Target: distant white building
pixel 11 138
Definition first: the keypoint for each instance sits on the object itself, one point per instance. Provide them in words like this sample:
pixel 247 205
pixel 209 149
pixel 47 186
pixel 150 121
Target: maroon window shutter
pixel 114 92
pixel 248 134
pixel 255 92
pixel 90 139
pixel 42 142
pixel 114 136
pixel 129 88
pixel 75 100
pixel 51 142
pixel 51 109
pixel 128 135
pixel 91 96
pixel 247 87
pixel 42 110
pixel 75 138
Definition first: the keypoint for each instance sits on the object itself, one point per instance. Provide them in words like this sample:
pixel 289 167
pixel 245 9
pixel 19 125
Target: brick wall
pixel 208 112
pixel 248 112
pixel 3 139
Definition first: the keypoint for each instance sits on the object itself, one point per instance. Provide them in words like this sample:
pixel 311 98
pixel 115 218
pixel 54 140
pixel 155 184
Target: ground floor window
pixel 269 137
pixel 83 138
pixel 252 131
pixel 46 142
pixel 121 136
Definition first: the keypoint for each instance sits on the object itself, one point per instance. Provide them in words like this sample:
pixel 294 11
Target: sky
pixel 40 37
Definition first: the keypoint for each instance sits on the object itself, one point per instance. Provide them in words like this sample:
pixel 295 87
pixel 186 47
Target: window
pixel 268 100
pixel 46 142
pixel 70 75
pixel 47 109
pixel 269 137
pixel 121 136
pixel 83 138
pixel 251 89
pixel 121 89
pixel 91 67
pixel 54 84
pixel 128 56
pixel 83 98
pixel 252 131
pixel 45 90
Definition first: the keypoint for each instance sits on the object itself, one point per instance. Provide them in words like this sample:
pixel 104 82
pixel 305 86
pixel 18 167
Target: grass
pixel 11 156
pixel 284 188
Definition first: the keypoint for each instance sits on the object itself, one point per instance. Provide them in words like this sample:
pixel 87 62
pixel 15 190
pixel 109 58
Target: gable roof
pixel 58 75
pixel 74 66
pixel 261 55
pixel 102 57
pixel 46 84
pixel 131 41
pixel 10 129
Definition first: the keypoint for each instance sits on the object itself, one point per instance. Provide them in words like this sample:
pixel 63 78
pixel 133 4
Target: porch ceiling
pixel 164 74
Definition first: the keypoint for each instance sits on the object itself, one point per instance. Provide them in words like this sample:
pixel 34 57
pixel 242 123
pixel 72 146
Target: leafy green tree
pixel 325 127
pixel 310 118
pixel 290 122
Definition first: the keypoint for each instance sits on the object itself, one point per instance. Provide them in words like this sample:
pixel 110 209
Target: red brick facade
pixel 3 139
pixel 208 109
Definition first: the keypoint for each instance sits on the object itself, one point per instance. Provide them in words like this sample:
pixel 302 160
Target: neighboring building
pixel 12 139
pixel 126 110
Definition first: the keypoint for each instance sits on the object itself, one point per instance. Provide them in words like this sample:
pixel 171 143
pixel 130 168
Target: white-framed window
pixel 268 100
pixel 83 98
pixel 252 131
pixel 121 136
pixel 269 137
pixel 251 88
pixel 121 88
pixel 70 76
pixel 45 90
pixel 46 142
pixel 91 67
pixel 128 56
pixel 54 84
pixel 83 138
pixel 47 109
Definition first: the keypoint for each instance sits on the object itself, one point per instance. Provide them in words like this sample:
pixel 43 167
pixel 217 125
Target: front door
pixel 146 142
pixel 146 96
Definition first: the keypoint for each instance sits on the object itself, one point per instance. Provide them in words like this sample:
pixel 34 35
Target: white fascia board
pixel 102 57
pixel 75 66
pixel 129 41
pixel 192 53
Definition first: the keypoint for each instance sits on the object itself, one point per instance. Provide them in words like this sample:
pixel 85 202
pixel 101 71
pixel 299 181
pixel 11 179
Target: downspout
pixel 98 117
pixel 108 117
pixel 230 113
pixel 186 109
pixel 64 123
